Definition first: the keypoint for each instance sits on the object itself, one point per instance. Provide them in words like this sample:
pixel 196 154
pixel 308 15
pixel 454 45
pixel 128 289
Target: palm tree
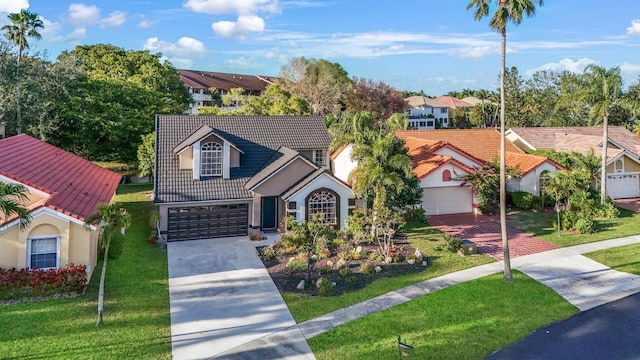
pixel 23 25
pixel 600 91
pixel 507 11
pixel 379 169
pixel 11 195
pixel 112 219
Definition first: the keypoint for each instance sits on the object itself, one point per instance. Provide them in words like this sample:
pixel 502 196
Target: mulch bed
pixel 345 281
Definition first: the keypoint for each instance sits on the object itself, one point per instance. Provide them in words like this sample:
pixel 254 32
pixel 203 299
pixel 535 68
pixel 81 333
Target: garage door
pixel 621 186
pixel 447 200
pixel 205 222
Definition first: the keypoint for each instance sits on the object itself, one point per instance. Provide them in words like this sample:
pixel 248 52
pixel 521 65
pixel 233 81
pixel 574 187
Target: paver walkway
pixel 629 204
pixel 484 230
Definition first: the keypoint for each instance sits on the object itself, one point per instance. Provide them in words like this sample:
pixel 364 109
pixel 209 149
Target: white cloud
pixel 475 52
pixel 564 65
pixel 13 6
pixel 145 23
pixel 630 72
pixel 51 32
pixel 240 28
pixel 243 63
pixel 82 15
pixel 634 29
pixel 116 18
pixel 185 46
pixel 241 7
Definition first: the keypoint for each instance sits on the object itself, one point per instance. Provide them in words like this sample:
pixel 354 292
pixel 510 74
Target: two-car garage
pixel 205 222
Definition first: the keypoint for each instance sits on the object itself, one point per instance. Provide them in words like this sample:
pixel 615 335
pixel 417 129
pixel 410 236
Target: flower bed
pixel 24 283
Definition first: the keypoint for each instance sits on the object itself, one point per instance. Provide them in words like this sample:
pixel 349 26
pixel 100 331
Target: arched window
pixel 446 175
pixel 211 159
pixel 324 201
pixel 618 166
pixel 542 181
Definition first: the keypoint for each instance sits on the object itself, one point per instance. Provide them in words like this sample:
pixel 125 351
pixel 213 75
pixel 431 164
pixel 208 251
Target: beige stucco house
pixel 63 190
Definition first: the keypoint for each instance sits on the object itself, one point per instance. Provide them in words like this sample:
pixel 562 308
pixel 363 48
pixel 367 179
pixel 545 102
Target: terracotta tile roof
pixel 452 102
pixel 546 138
pixel 483 144
pixel 424 158
pixel 222 81
pixel 423 101
pixel 76 185
pixel 527 162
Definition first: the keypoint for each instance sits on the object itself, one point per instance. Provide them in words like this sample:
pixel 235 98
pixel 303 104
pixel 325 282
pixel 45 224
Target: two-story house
pixel 228 176
pixel 427 114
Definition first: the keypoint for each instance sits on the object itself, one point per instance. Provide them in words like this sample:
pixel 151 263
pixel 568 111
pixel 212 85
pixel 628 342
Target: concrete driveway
pixel 484 230
pixel 225 305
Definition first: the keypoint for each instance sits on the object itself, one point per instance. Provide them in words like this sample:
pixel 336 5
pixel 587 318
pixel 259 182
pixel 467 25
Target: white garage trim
pixel 447 200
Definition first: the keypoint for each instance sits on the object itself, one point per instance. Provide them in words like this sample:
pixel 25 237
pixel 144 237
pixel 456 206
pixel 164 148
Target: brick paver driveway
pixel 484 230
pixel 630 204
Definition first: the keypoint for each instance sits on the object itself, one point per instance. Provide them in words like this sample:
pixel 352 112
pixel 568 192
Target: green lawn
pixel 428 239
pixel 136 315
pixel 540 224
pixel 466 321
pixel 623 258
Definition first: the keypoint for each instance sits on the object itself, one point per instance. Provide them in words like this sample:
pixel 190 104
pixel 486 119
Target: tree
pixel 600 91
pixel 507 10
pixel 11 197
pixel 147 155
pixel 23 25
pixel 323 84
pixel 376 97
pixel 515 110
pixel 112 222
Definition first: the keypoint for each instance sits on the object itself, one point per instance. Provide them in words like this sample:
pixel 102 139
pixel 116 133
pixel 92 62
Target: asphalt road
pixel 610 331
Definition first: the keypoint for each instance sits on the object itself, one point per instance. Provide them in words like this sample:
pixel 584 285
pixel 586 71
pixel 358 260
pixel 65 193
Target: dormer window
pixel 211 159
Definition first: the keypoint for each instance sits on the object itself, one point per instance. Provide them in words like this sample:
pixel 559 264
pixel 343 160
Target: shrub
pixel 377 255
pixel 454 243
pixel 297 264
pixel 344 272
pixel 416 215
pixel 325 286
pixel 267 253
pixel 367 268
pixel 584 225
pixel 16 284
pixel 525 200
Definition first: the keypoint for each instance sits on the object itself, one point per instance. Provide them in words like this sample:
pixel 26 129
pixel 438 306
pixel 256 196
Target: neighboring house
pixel 228 176
pixel 440 156
pixel 199 84
pixel 63 190
pixel 424 113
pixel 341 163
pixel 453 103
pixel 623 151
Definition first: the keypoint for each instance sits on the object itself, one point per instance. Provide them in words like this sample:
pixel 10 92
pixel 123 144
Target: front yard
pixel 136 319
pixel 540 224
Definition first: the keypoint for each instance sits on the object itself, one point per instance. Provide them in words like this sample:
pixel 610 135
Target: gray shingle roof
pixel 259 137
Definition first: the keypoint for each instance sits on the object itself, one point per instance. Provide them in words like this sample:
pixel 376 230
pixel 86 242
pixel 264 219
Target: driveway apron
pixel 222 298
pixel 484 231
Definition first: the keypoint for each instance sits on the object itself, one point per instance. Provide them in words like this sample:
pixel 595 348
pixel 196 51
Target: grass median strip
pixel 136 320
pixel 623 258
pixel 465 321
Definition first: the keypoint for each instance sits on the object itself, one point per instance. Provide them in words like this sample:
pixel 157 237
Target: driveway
pixel 224 304
pixel 629 204
pixel 484 230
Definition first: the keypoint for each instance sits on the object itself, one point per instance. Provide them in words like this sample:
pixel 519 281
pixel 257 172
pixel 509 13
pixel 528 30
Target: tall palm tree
pixel 507 11
pixel 113 221
pixel 24 24
pixel 600 90
pixel 11 197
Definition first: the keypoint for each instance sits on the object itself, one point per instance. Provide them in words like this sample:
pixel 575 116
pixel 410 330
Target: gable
pixel 285 177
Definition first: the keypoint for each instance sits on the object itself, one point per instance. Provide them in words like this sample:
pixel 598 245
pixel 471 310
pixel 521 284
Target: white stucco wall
pixel 456 155
pixel 323 181
pixel 435 178
pixel 529 182
pixel 342 165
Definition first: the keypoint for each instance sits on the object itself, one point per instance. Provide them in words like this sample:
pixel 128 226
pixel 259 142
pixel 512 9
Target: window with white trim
pixel 323 201
pixel 319 157
pixel 43 252
pixel 618 166
pixel 211 159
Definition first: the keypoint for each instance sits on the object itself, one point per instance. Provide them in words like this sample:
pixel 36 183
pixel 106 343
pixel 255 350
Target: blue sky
pixel 435 46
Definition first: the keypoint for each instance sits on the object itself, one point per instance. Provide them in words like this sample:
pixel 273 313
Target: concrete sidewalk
pixel 581 281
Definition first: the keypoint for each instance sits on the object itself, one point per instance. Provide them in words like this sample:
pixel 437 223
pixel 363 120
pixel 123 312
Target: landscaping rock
pixel 378 269
pixel 418 254
pixel 425 263
pixel 359 249
pixel 341 263
pixel 300 285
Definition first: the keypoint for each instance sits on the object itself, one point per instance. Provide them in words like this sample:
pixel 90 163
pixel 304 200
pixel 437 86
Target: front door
pixel 269 213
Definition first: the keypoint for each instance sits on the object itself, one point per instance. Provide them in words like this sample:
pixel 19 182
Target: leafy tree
pixel 274 101
pixel 113 221
pixel 11 197
pixel 376 97
pixel 322 84
pixel 600 91
pixel 507 11
pixel 23 25
pixel 147 155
